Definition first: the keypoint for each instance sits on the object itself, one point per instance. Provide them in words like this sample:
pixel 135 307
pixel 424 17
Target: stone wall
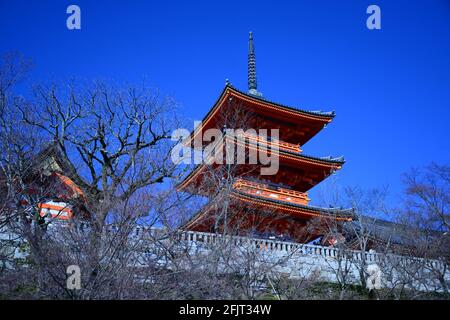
pixel 327 263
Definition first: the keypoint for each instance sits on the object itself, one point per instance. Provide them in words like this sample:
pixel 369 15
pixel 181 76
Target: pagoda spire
pixel 252 83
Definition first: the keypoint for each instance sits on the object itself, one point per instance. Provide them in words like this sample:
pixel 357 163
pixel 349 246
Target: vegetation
pixel 115 144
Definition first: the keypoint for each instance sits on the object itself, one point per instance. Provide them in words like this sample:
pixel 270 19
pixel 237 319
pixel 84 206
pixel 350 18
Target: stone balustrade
pixel 298 248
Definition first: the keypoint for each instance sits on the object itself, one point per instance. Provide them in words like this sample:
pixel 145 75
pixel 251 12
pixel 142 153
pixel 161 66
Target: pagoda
pixel 275 205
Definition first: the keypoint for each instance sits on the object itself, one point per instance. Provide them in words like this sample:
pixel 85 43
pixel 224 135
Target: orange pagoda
pixel 272 205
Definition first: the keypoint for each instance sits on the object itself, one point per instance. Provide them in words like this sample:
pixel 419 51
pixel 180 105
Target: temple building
pixel 275 205
pixel 52 185
pixel 241 199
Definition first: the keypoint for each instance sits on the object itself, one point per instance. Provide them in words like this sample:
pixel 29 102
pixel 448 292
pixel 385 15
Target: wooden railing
pixel 263 190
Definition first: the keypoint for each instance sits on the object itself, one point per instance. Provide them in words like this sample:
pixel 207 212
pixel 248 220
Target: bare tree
pixel 114 144
pixel 361 234
pixel 426 213
pixel 233 259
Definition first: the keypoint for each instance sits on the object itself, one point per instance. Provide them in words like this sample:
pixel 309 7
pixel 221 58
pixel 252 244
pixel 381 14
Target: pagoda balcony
pixel 282 145
pixel 263 190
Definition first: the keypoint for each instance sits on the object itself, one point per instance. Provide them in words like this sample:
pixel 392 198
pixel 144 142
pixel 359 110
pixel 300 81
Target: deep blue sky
pixel 390 88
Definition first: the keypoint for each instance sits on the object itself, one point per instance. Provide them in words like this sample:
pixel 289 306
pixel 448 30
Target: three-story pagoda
pixel 276 204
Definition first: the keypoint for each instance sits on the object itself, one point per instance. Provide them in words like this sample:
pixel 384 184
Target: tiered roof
pixel 304 124
pixel 298 172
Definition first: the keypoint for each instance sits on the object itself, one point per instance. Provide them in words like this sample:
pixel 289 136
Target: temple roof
pixel 339 214
pixel 335 163
pixel 387 232
pixel 292 210
pixel 52 160
pixel 296 125
pixel 328 159
pixel 323 114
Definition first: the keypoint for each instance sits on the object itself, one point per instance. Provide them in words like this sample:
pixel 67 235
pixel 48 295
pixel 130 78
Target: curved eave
pixel 66 168
pixel 296 209
pixel 325 161
pixel 323 117
pixel 183 184
pixel 330 164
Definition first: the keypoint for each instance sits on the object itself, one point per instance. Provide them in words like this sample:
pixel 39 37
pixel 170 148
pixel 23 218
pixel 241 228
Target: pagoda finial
pixel 252 84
